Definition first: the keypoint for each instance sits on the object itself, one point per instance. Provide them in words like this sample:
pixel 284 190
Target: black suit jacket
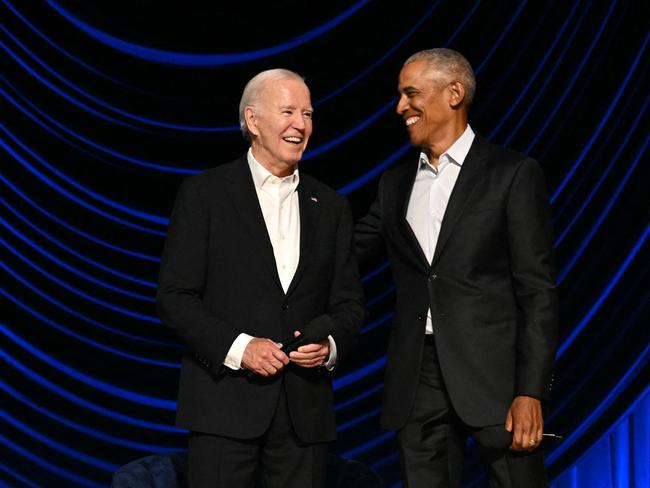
pixel 490 286
pixel 218 278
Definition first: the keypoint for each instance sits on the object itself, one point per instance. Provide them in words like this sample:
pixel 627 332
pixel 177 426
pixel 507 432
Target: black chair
pixel 170 471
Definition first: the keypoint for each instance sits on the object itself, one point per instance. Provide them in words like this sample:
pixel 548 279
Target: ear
pixel 251 121
pixel 457 94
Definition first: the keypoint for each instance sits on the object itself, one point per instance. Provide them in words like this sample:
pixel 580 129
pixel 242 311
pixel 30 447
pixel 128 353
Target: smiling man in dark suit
pixel 467 229
pixel 255 253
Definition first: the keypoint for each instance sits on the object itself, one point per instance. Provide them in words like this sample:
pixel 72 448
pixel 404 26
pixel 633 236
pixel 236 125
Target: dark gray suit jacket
pixel 218 278
pixel 490 286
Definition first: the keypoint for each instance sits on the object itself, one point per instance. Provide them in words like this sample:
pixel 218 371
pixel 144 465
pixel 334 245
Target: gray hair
pixel 254 88
pixel 452 64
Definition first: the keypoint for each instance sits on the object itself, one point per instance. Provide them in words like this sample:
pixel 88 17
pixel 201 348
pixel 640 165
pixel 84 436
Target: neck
pixel 441 142
pixel 276 168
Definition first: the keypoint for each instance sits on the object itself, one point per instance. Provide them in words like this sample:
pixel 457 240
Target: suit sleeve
pixel 368 238
pixel 345 309
pixel 181 285
pixel 530 237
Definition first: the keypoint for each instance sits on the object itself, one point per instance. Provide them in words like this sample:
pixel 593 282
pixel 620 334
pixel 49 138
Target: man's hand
pixel 264 357
pixel 525 421
pixel 311 355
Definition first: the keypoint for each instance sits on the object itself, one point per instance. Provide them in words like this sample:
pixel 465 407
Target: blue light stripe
pixel 96 240
pixel 70 196
pixel 366 446
pixel 16 476
pixel 59 447
pixel 409 33
pixel 505 31
pixel 81 316
pixel 102 386
pixel 596 306
pixel 201 60
pixel 66 53
pixel 92 262
pixel 635 369
pixel 358 374
pixel 383 461
pixel 576 72
pixel 603 176
pixel 535 74
pixel 348 134
pixel 112 203
pixel 375 272
pixel 377 322
pixel 63 473
pixel 542 89
pixel 342 427
pixel 380 296
pixel 357 398
pixel 61 93
pixel 124 113
pixel 376 171
pixel 72 269
pixel 594 228
pixel 84 403
pixel 116 308
pixel 603 121
pixel 106 150
pixel 599 363
pixel 79 337
pixel 118 441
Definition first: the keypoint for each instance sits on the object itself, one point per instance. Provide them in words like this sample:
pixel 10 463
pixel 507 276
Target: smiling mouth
pixel 411 120
pixel 293 139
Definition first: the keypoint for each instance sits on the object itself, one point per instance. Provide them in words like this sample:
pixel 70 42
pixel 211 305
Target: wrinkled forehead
pixel 419 74
pixel 286 92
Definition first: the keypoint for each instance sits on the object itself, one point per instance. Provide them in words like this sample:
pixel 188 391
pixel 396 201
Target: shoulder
pixel 501 157
pixel 405 166
pixel 207 182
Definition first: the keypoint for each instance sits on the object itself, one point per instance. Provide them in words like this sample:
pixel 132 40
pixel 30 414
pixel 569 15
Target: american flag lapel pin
pixel 314 199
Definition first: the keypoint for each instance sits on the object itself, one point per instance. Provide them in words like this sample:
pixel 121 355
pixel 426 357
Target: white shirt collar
pixel 262 176
pixel 457 152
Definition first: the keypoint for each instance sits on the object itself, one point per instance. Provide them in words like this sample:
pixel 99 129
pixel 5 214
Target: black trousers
pixel 432 442
pixel 278 459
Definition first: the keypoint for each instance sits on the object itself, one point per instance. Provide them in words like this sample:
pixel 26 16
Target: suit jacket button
pixel 285 306
pixel 420 317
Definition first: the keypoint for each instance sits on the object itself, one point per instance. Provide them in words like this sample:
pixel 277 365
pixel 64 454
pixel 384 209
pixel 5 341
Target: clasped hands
pixel 264 357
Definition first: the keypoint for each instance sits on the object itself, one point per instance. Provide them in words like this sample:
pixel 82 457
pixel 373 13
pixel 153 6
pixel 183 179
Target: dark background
pixel 105 106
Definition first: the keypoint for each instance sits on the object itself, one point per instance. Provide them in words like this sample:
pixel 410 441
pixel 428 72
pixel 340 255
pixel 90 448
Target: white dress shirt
pixel 430 195
pixel 279 203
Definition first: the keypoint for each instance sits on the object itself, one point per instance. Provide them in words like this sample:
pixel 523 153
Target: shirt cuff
pixel 236 351
pixel 331 361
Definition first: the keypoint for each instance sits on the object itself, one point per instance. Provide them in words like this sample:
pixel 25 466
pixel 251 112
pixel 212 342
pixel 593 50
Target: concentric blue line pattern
pixel 105 109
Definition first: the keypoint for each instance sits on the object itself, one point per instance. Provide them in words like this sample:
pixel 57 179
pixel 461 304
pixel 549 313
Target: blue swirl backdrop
pixel 105 106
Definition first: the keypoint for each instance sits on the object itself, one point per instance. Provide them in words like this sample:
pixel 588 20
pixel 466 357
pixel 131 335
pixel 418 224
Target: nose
pixel 402 105
pixel 299 121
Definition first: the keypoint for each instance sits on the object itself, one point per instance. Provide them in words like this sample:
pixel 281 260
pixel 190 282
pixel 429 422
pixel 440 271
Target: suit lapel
pixel 404 189
pixel 244 198
pixel 469 176
pixel 309 214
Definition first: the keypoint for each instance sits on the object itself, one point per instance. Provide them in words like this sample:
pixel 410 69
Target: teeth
pixel 412 120
pixel 293 139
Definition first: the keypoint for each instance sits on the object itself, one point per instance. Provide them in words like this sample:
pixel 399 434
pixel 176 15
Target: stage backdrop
pixel 105 106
